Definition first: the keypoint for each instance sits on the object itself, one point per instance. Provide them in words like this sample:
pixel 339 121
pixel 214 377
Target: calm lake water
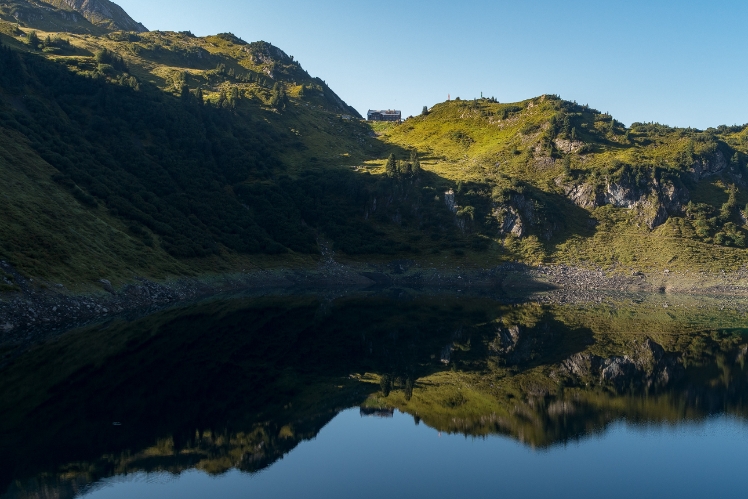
pixel 393 394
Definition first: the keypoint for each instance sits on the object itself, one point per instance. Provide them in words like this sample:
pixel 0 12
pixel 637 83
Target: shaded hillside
pixel 216 166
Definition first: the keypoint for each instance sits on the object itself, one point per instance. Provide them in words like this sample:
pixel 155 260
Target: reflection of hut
pixel 377 412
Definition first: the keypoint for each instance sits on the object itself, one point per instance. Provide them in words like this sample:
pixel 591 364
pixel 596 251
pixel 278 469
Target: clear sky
pixel 682 63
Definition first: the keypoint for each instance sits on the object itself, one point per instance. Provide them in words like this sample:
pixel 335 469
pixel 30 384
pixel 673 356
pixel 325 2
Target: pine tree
pixel 391 167
pixel 222 100
pixel 567 164
pixel 553 126
pixel 404 168
pixel 567 126
pixel 33 39
pixel 278 96
pixel 233 97
pixel 415 163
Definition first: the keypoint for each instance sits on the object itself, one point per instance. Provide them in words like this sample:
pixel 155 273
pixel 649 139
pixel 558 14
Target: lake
pixel 388 393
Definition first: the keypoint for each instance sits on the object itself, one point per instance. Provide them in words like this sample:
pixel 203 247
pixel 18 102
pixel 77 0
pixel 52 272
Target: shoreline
pixel 32 313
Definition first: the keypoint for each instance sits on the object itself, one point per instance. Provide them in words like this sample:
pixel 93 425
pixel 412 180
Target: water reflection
pixel 237 384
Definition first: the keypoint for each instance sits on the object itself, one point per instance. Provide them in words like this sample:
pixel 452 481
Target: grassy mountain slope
pixel 206 153
pixel 559 181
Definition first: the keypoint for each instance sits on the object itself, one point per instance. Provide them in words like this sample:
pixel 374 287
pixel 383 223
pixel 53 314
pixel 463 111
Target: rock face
pixel 102 13
pixel 654 201
pixel 509 220
pixel 516 216
pixel 648 366
pixel 568 146
pixel 584 195
pixel 706 167
pixel 449 200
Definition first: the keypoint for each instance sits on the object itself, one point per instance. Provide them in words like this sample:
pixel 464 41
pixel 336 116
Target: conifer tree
pixel 278 96
pixel 415 163
pixel 233 97
pixel 391 167
pixel 404 168
pixel 567 126
pixel 567 164
pixel 33 39
pixel 222 100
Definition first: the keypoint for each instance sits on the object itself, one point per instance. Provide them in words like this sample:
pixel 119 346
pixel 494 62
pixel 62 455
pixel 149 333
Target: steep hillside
pixel 212 153
pixel 95 17
pixel 101 13
pixel 559 181
pixel 202 153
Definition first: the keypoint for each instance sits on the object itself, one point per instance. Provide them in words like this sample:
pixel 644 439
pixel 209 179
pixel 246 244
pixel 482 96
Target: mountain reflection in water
pixel 237 384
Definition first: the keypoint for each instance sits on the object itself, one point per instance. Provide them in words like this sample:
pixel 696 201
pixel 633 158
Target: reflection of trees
pixel 209 380
pixel 238 384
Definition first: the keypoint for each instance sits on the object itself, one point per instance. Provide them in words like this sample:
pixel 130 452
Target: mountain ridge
pixel 96 17
pixel 101 12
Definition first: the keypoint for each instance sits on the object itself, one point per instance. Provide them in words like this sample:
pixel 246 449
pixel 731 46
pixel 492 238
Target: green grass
pixel 502 146
pixel 491 154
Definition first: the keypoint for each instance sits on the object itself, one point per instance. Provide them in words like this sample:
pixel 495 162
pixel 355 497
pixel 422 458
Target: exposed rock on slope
pixel 654 201
pixel 102 13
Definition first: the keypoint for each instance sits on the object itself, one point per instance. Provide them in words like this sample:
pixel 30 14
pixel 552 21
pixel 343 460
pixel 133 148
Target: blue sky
pixel 679 63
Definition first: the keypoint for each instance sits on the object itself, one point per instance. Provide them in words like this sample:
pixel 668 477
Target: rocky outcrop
pixel 463 218
pixel 518 215
pixel 584 195
pixel 568 146
pixel 653 201
pixel 709 166
pixel 101 13
pixel 510 221
pixel 449 200
pixel 647 366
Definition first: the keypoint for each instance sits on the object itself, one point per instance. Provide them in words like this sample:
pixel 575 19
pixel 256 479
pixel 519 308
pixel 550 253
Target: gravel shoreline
pixel 33 312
